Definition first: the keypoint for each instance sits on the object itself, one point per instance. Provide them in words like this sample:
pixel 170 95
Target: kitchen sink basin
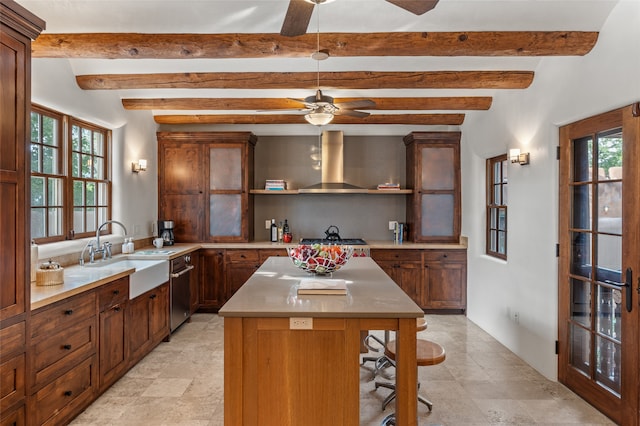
pixel 149 273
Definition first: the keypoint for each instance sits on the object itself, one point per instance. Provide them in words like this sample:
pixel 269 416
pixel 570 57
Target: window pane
pixel 78 220
pixel 582 159
pixel 78 193
pixel 38 223
pixel 102 215
pixel 54 191
pixel 86 141
pixel 92 219
pixel 75 164
pixel 493 245
pixel 98 144
pixel 496 172
pixel 37 191
pixel 35 127
pixel 49 131
pixel 494 219
pixel 580 352
pixel 102 194
pixel 49 160
pixel 497 200
pixel 55 222
pixel 75 138
pixel 581 302
pixel 504 195
pixel 35 158
pixel 502 219
pixel 98 168
pixel 86 166
pixel 502 242
pixel 91 195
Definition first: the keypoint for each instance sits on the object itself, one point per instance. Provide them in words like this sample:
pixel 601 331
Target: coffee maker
pixel 165 231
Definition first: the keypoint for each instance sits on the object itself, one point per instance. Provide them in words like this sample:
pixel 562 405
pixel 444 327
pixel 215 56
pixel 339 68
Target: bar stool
pixel 382 362
pixel 428 353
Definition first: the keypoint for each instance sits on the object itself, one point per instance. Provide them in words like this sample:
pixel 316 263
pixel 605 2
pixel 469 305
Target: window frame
pixel 64 174
pixel 493 229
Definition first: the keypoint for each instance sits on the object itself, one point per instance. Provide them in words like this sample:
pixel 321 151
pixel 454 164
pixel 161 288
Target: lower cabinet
pixel 404 267
pixel 211 285
pixel 148 321
pixel 239 266
pixel 114 343
pixel 13 389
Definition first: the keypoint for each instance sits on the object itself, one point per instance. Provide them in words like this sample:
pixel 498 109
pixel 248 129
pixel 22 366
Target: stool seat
pixel 421 324
pixel 428 352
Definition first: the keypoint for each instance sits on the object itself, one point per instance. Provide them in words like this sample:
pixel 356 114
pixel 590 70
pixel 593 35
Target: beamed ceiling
pixel 234 68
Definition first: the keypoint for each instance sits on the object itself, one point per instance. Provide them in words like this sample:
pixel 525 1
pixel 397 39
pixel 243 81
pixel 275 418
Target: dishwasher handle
pixel 184 271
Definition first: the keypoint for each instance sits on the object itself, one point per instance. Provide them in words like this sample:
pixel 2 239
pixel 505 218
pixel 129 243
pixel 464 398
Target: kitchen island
pixel 294 360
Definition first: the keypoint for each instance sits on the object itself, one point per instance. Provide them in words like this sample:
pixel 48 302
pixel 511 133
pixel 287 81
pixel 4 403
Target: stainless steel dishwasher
pixel 180 292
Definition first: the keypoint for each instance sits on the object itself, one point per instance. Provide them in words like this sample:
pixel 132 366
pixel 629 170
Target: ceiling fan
pixel 299 13
pixel 320 108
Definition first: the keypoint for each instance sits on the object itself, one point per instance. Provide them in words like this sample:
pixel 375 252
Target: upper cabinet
pixel 433 170
pixel 204 184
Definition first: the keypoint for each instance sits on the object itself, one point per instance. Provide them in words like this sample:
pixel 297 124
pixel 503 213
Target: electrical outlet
pixel 300 323
pixel 392 225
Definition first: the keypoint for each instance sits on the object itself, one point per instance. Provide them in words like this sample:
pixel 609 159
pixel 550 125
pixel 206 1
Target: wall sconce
pixel 517 157
pixel 139 166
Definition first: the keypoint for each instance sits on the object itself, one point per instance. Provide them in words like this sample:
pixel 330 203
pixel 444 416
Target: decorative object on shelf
pixel 139 166
pixel 50 273
pixel 517 157
pixel 275 185
pixel 389 186
pixel 320 258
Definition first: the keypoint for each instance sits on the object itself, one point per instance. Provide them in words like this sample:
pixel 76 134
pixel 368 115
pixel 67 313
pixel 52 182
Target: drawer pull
pixel 67 347
pixel 116 292
pixel 117 308
pixel 444 255
pixel 153 296
pixel 68 312
pixel 68 393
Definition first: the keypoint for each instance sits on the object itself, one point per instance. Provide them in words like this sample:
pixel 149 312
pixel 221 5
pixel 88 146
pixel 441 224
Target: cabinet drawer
pixel 445 256
pixel 242 256
pixel 12 386
pixel 400 254
pixel 61 351
pixel 267 253
pixel 113 293
pixel 13 339
pixel 63 315
pixel 66 396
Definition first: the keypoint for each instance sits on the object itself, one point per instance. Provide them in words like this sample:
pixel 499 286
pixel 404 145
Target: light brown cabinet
pixel 433 170
pixel 148 316
pixel 17 28
pixel 204 184
pixel 114 343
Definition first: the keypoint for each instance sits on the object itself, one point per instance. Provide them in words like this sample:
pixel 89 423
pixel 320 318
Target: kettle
pixel 332 235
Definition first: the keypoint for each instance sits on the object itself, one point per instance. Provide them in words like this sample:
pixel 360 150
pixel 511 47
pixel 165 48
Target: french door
pixel 599 266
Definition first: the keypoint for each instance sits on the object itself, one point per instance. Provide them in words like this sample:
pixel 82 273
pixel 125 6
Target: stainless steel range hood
pixel 332 168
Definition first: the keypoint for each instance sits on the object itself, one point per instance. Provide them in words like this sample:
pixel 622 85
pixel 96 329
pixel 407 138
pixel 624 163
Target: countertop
pixel 271 292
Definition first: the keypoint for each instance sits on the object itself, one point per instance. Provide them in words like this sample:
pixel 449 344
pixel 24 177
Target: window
pixel 70 190
pixel 497 206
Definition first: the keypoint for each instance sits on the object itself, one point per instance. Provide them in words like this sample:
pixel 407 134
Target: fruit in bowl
pixel 320 258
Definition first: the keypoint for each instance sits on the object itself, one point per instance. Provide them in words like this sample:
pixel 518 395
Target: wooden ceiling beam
pixel 309 80
pixel 225 46
pixel 431 103
pixel 409 119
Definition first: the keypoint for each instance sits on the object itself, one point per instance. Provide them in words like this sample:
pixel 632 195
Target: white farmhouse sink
pixel 149 273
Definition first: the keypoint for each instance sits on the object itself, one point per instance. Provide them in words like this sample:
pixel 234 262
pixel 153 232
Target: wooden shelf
pixel 295 192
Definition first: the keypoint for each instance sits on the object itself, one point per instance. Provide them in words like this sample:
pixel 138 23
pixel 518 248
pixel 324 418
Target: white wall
pixel 134 195
pixel 564 90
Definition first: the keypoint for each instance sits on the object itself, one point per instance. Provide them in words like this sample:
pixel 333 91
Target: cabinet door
pixel 194 282
pixel 404 267
pixel 445 280
pixel 113 344
pixel 227 195
pixel 139 331
pixel 237 275
pixel 181 168
pixel 159 313
pixel 187 213
pixel 211 286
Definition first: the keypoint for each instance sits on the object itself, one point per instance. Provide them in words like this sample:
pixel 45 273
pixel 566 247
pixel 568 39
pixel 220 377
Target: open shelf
pixel 295 192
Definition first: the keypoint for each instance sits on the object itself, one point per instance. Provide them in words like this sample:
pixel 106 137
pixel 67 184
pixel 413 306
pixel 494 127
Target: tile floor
pixel 480 383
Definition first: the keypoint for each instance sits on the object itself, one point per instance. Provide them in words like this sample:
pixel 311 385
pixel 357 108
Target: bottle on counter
pixel 280 232
pixel 274 231
pixel 125 246
pixel 131 247
pixel 286 231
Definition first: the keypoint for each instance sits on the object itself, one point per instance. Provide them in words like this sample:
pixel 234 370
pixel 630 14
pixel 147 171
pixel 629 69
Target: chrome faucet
pixel 105 248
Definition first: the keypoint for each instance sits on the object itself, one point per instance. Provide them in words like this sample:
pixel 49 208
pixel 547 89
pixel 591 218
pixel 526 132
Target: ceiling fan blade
pixel 417 7
pixel 297 18
pixel 351 113
pixel 359 104
pixel 299 110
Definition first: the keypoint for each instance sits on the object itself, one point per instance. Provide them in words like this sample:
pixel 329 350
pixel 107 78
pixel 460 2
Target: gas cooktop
pixel 346 241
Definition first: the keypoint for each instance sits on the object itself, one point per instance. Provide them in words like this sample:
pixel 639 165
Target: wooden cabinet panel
pixel 267 253
pixel 194 282
pixel 15 417
pixel 211 286
pixel 433 171
pixel 148 317
pixel 13 340
pixel 12 381
pixel 114 344
pixel 404 267
pixel 181 165
pixel 242 256
pixel 159 313
pixel 187 213
pixel 113 294
pixel 445 280
pixel 66 396
pixel 240 265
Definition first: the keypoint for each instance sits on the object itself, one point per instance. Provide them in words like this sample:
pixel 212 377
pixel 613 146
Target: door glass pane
pixel 610 207
pixel 437 214
pixel 438 168
pixel 581 302
pixel 582 159
pixel 581 203
pixel 580 344
pixel 609 259
pixel 581 254
pixel 225 168
pixel 608 356
pixel 225 215
pixel 609 154
pixel 608 311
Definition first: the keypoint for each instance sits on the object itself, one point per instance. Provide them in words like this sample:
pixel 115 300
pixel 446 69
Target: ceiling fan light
pixel 319 118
